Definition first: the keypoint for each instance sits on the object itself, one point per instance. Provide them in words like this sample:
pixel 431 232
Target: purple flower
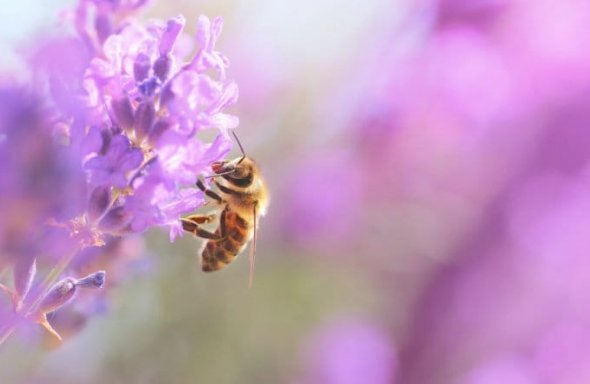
pixel 40 181
pixel 478 13
pixel 158 106
pixel 349 352
pixel 113 153
pixel 112 167
pixel 473 152
pixel 26 308
pixel 508 370
pixel 327 221
pixel 183 160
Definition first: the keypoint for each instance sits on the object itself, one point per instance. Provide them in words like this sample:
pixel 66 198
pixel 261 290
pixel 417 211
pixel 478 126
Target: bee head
pixel 241 169
pixel 238 168
pixel 220 167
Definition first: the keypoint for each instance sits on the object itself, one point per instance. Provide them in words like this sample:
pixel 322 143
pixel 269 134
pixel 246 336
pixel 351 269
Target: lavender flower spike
pixel 158 108
pixel 114 152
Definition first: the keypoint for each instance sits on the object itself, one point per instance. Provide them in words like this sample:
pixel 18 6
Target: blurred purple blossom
pixel 105 148
pixel 349 352
pixel 473 151
pixel 335 209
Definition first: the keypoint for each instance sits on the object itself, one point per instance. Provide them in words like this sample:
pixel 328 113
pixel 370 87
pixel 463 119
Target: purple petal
pixel 141 67
pixel 203 34
pixel 224 122
pixel 131 160
pixel 113 50
pixel 144 118
pixel 217 150
pixel 96 163
pixel 123 112
pixel 158 130
pixel 115 219
pixel 216 27
pixel 163 67
pixel 92 142
pixel 98 202
pixel 174 28
pixel 175 231
pixel 187 200
pixel 184 87
pixel 229 97
pixel 99 177
pixel 209 89
pixel 117 179
pixel 119 147
pixel 104 27
pixel 25 269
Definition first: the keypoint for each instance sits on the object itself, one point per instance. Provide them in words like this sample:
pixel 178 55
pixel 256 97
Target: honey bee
pixel 242 197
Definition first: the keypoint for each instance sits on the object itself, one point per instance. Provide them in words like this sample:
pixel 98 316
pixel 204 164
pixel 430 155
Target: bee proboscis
pixel 241 197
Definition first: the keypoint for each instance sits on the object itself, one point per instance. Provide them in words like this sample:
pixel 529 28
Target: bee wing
pixel 252 256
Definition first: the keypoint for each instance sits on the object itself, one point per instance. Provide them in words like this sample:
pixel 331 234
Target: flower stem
pixel 30 306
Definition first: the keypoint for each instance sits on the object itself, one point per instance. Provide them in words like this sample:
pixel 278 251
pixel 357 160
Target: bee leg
pixel 193 227
pixel 201 219
pixel 222 226
pixel 209 192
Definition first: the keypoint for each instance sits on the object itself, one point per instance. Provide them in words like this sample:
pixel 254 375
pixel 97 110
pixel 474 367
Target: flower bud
pixel 167 95
pixel 174 28
pixel 144 118
pixel 149 87
pixel 141 67
pixel 203 32
pixel 61 293
pixel 94 280
pixel 123 112
pixel 163 66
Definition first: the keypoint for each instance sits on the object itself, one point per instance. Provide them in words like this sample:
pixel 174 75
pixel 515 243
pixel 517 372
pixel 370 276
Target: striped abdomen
pixel 236 233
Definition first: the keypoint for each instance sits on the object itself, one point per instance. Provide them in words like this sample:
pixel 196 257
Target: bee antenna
pixel 240 145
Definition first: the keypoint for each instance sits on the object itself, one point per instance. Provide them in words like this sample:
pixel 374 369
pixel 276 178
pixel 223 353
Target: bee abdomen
pixel 218 253
pixel 215 257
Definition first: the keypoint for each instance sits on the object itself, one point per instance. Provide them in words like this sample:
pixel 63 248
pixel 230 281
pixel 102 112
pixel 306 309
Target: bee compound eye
pixel 217 166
